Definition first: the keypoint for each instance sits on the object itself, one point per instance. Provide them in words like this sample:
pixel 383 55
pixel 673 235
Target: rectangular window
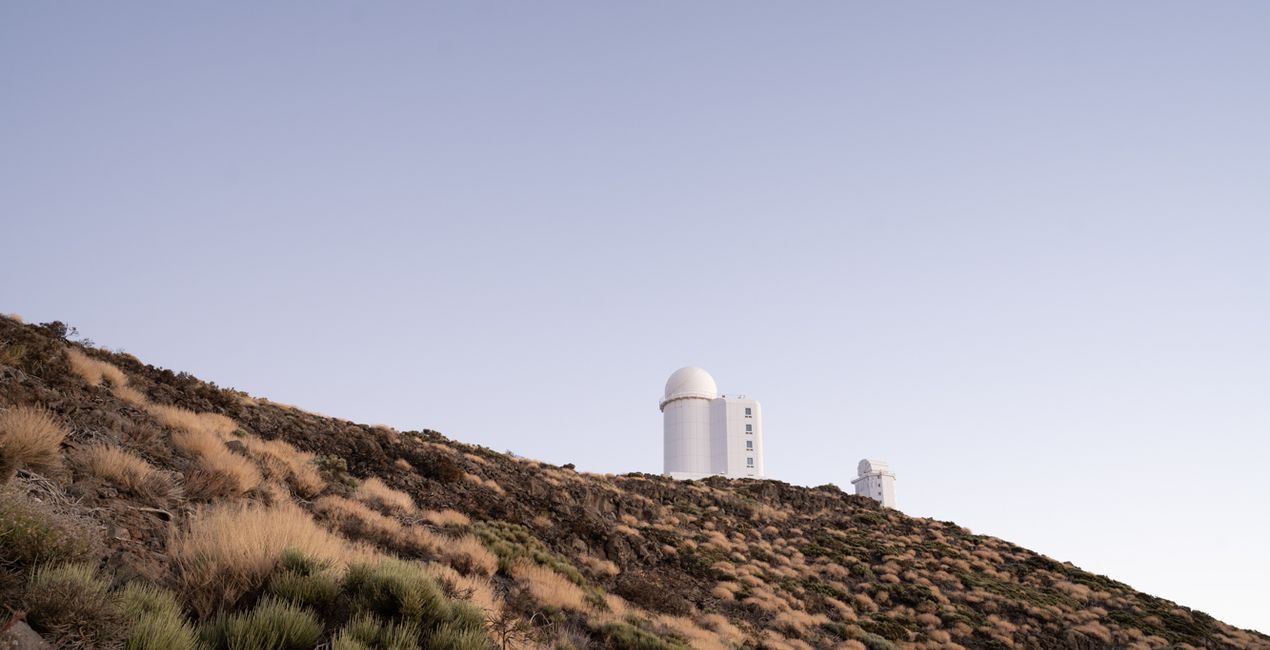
pixel 748 412
pixel 749 428
pixel 749 462
pixel 749 444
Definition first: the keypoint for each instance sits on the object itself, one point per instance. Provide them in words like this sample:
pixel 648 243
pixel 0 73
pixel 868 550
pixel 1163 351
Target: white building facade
pixel 875 481
pixel 707 434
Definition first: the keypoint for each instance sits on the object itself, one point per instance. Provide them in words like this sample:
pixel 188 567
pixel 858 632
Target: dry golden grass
pixel 477 590
pixel 13 317
pixel 226 551
pixel 238 473
pixel 374 492
pixel 288 463
pixel 627 530
pixel 187 420
pixel 357 520
pixel 93 370
pixel 548 588
pixel 130 395
pixel 446 518
pixel 423 539
pixel 29 437
pixel 127 471
pixel 467 554
pixel 490 483
pixel 725 590
pixel 600 566
pixel 721 626
pixel 699 638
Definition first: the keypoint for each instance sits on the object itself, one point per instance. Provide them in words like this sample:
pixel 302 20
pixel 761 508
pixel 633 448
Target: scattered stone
pixel 20 636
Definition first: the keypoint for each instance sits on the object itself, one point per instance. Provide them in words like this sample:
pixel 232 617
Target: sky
pixel 1020 251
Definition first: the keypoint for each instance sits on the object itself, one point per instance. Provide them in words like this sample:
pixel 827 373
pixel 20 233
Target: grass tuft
pixel 33 533
pixel 72 604
pixel 156 619
pixel 304 581
pixel 125 470
pixel 29 437
pixel 228 550
pixel 271 625
pixel 373 492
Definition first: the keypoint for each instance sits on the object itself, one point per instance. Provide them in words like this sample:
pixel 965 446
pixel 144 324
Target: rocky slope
pixel 245 512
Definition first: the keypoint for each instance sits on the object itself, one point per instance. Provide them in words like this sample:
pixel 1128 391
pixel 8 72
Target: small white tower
pixel 707 434
pixel 876 482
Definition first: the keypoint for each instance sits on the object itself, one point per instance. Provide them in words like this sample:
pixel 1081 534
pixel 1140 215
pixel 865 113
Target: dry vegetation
pixel 226 551
pixel 227 473
pixel 127 471
pixel 29 437
pixel 374 493
pixel 197 516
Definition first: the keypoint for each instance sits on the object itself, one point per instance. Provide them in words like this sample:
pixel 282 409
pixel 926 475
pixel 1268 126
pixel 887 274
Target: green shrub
pixel 455 636
pixel 513 542
pixel 34 533
pixel 73 604
pixel 304 581
pixel 366 632
pixel 403 594
pixel 397 590
pixel 625 636
pixel 156 619
pixel 874 642
pixel 271 625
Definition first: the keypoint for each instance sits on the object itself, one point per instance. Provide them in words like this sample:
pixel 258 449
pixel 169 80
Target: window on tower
pixel 749 428
pixel 749 444
pixel 749 412
pixel 749 462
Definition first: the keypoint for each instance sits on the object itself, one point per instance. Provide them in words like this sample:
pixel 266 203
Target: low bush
pixel 874 642
pixel 513 543
pixel 303 581
pixel 548 588
pixel 34 533
pixel 155 619
pixel 366 632
pixel 236 472
pixel 271 625
pixel 229 550
pixel 287 463
pixel 72 604
pixel 625 636
pixel 469 555
pixel 357 520
pixel 186 420
pixel 29 437
pixel 446 518
pixel 127 472
pixel 403 592
pixel 93 370
pixel 373 492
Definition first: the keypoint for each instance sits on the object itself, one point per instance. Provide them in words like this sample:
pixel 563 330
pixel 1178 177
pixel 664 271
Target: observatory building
pixel 876 482
pixel 707 434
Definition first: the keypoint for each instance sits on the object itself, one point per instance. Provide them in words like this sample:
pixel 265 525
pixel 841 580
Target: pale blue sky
pixel 1022 252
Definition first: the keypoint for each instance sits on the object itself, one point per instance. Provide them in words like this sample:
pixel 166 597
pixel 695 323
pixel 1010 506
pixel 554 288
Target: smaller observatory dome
pixel 689 382
pixel 868 466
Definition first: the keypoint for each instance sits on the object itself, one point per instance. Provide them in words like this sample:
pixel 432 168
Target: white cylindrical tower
pixel 686 422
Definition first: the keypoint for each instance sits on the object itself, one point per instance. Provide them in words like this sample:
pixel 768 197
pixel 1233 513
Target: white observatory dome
pixel 869 466
pixel 689 382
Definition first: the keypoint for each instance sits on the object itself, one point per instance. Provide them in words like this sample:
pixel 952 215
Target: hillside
pixel 145 507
